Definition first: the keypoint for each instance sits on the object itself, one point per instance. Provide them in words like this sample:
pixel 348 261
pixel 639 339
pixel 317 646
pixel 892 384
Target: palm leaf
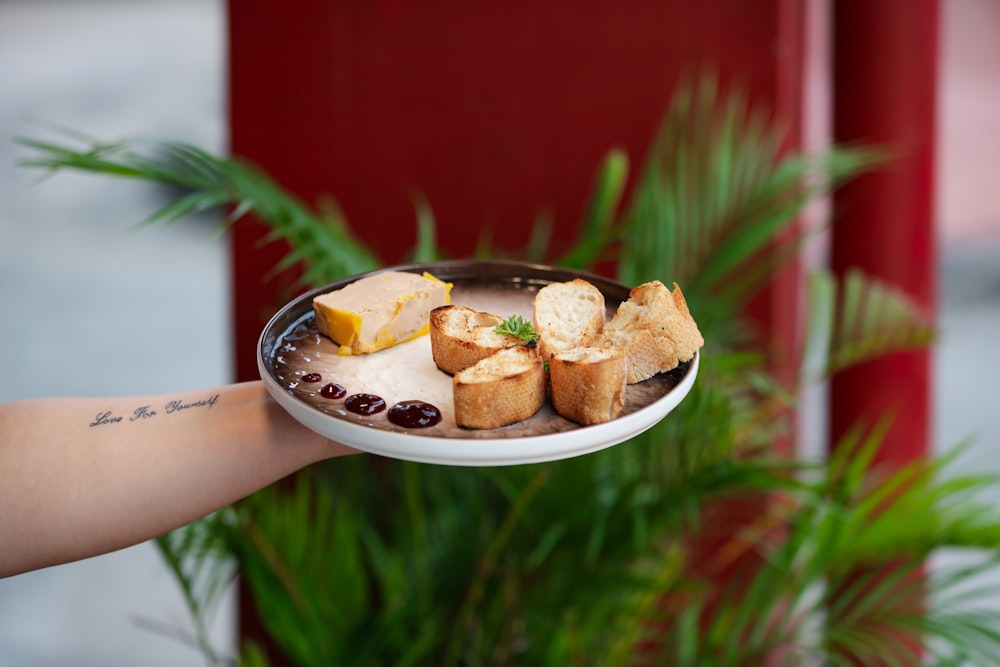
pixel 718 190
pixel 839 578
pixel 539 238
pixel 599 226
pixel 373 562
pixel 253 655
pixel 299 552
pixel 859 319
pixel 426 249
pixel 321 242
pixel 889 528
pixel 198 557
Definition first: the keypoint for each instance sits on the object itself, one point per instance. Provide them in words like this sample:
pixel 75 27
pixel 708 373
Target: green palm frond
pixel 322 243
pixel 426 249
pixel 539 238
pixel 859 319
pixel 889 523
pixel 718 190
pixel 368 561
pixel 843 578
pixel 868 614
pixel 253 655
pixel 198 557
pixel 600 227
pixel 300 553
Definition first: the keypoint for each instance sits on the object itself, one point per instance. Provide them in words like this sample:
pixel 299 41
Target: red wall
pixel 494 111
pixel 885 93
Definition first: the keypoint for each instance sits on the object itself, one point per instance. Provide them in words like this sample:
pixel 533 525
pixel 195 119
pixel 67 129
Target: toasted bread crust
pixel 461 336
pixel 686 335
pixel 588 385
pixel 567 315
pixel 655 329
pixel 506 387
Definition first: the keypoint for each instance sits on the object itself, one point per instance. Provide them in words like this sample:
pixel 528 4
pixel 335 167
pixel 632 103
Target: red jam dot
pixel 364 404
pixel 312 377
pixel 414 414
pixel 332 391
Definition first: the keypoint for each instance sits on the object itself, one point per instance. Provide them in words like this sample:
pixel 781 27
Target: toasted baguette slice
pixel 587 384
pixel 655 329
pixel 567 315
pixel 379 311
pixel 501 389
pixel 647 354
pixel 461 336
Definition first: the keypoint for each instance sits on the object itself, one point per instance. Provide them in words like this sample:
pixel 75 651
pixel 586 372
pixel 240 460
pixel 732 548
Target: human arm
pixel 84 476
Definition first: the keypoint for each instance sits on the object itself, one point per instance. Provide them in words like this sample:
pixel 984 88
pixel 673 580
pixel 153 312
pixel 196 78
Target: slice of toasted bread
pixel 501 389
pixel 461 336
pixel 587 385
pixel 654 328
pixel 567 315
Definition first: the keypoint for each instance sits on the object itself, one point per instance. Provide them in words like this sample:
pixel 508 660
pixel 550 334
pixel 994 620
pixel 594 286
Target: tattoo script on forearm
pixel 145 412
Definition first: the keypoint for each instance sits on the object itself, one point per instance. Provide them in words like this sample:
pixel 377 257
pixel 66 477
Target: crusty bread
pixel 655 330
pixel 506 387
pixel 587 384
pixel 567 315
pixel 461 336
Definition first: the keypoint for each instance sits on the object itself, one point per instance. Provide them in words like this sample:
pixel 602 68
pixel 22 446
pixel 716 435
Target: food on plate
pixel 590 364
pixel 506 387
pixel 461 336
pixel 587 385
pixel 504 370
pixel 414 414
pixel 379 311
pixel 654 328
pixel 567 315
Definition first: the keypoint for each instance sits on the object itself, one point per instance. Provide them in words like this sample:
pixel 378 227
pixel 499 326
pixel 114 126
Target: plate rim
pixel 427 448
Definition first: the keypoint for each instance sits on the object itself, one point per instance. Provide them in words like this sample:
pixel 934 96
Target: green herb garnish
pixel 515 325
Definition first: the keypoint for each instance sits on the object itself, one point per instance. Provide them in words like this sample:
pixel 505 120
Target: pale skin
pixel 86 476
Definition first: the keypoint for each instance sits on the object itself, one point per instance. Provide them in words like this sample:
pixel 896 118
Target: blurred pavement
pixel 92 306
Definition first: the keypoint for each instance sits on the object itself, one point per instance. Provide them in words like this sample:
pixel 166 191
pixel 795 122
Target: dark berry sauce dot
pixel 332 391
pixel 414 414
pixel 312 377
pixel 364 404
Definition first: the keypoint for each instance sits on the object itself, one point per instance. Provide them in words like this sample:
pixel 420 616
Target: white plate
pixel 290 347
